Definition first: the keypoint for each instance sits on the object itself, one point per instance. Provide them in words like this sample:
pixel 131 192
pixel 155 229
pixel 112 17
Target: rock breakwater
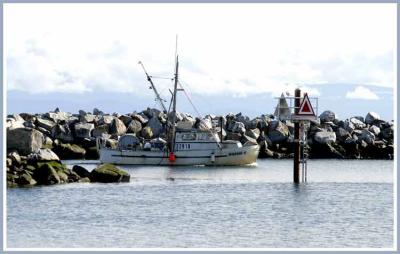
pixel 63 135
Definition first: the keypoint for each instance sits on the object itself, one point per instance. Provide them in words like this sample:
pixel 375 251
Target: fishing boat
pixel 181 147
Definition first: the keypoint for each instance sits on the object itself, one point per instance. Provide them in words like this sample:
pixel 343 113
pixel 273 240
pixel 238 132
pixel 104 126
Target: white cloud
pixel 362 93
pixel 237 48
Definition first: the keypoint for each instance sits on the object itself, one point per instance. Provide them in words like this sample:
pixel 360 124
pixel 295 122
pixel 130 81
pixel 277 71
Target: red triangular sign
pixel 306 107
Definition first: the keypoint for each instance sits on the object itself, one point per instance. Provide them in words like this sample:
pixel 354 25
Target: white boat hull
pixel 221 156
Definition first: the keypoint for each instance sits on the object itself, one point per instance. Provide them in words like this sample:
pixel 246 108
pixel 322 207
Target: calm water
pixel 344 204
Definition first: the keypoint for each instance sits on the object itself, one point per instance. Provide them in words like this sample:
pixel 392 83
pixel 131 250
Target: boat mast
pixel 174 105
pixel 158 97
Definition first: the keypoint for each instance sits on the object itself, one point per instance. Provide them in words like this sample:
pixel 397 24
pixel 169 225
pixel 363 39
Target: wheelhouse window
pixel 189 136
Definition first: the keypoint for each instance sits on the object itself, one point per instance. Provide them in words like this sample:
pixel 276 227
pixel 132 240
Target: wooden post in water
pixel 296 162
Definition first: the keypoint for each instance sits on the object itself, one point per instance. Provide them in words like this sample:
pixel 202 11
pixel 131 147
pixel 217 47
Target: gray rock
pixel 375 130
pixel 81 171
pixel 12 123
pixel 83 130
pixel 46 174
pixel 254 133
pixel 246 140
pixel 263 123
pixel 152 112
pixel 62 132
pixel 277 131
pixel 185 125
pixel 360 118
pixel 47 142
pixel 125 119
pixel 25 180
pixel 117 127
pixel 15 158
pixel 108 173
pixel 239 127
pixel 325 137
pixel 28 124
pixel 69 151
pixel 243 119
pixel 57 116
pixel 24 140
pixel 367 136
pixel 100 130
pixel 134 127
pixel 141 118
pixel 45 124
pixel 97 112
pixel 106 120
pixel 205 124
pixel 387 133
pixel 372 118
pixel 87 118
pixel 147 132
pixel 357 123
pixel 327 116
pixel 233 136
pixel 348 126
pixel 342 134
pixel 43 155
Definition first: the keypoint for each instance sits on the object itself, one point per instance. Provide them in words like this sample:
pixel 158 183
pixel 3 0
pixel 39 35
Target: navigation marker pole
pixel 296 162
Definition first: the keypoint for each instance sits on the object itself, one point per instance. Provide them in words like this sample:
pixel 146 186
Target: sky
pixel 229 53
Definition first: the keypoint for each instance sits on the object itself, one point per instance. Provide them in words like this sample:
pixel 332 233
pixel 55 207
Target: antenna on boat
pixel 158 98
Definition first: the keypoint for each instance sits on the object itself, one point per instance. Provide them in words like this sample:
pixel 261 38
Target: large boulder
pixel 204 124
pixel 185 125
pixel 277 131
pixel 62 132
pixel 117 127
pixel 15 158
pixel 125 119
pixel 233 136
pixel 57 116
pixel 326 151
pixel 387 132
pixel 372 118
pixel 325 137
pixel 100 130
pixel 96 111
pixel 375 130
pixel 45 124
pixel 327 116
pixel 87 118
pixel 239 127
pixel 25 179
pixel 105 119
pixel 367 136
pixel 342 134
pixel 108 173
pixel 358 124
pixel 134 127
pixel 147 133
pixel 254 133
pixel 43 155
pixel 15 121
pixel 348 126
pixel 24 140
pixel 83 130
pixel 46 174
pixel 69 151
pixel 81 171
pixel 155 125
pixel 143 119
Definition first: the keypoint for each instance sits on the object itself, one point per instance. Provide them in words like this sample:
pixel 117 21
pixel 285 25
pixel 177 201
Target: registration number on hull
pixel 182 146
